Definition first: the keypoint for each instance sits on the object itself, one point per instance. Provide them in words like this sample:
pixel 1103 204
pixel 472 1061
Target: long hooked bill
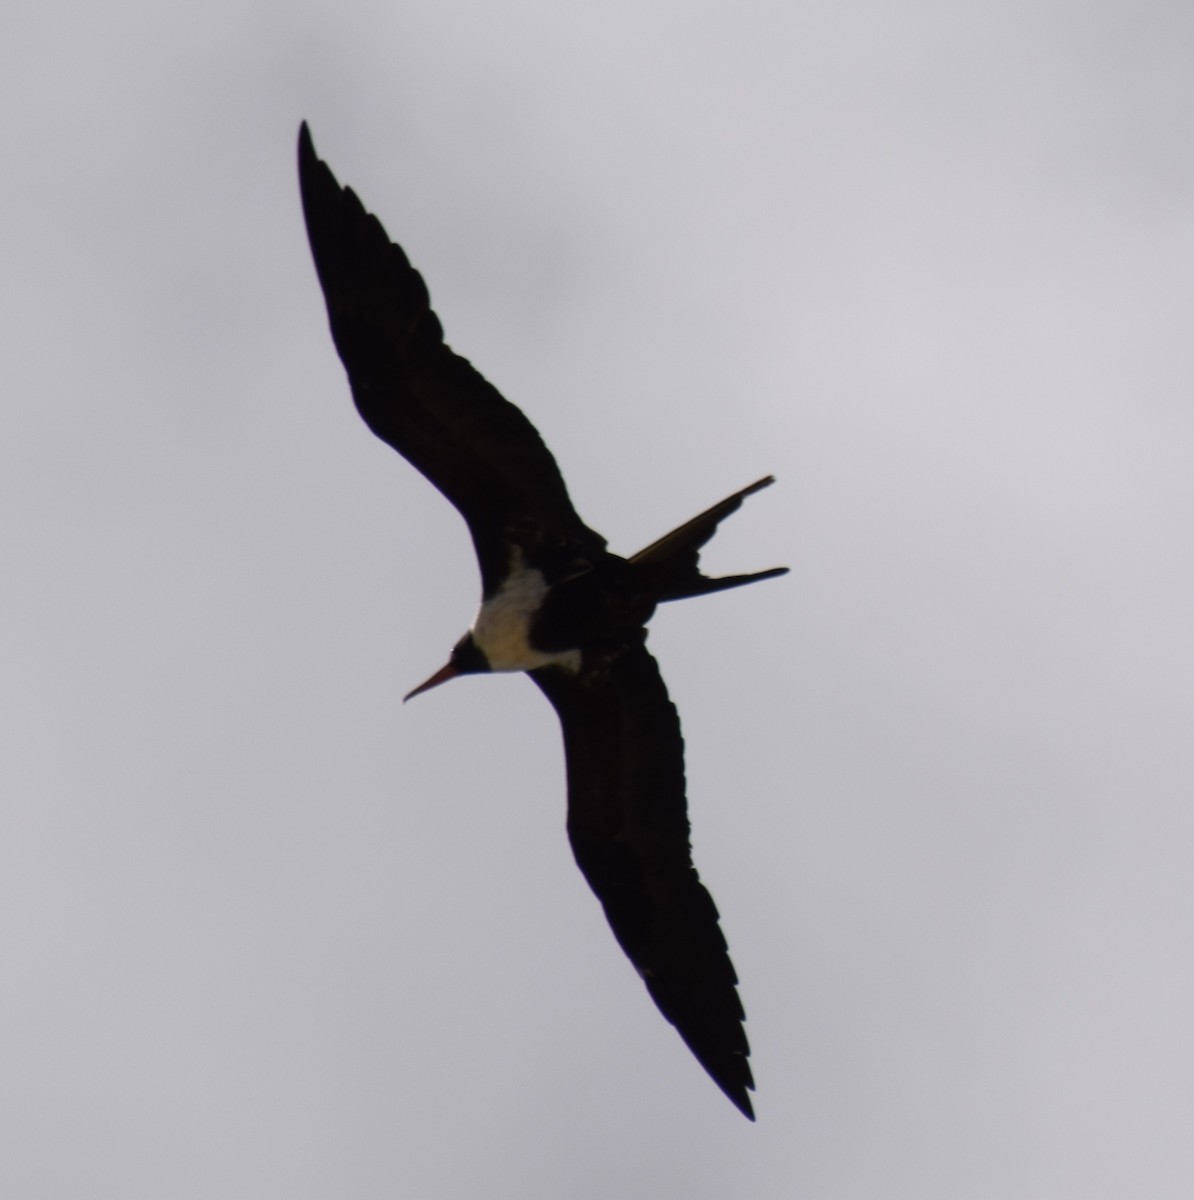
pixel 441 676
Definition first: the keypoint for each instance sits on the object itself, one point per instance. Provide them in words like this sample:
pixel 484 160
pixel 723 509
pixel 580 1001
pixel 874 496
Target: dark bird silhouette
pixel 556 604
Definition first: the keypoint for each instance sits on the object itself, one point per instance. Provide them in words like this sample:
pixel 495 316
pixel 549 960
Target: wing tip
pixel 306 146
pixel 736 1081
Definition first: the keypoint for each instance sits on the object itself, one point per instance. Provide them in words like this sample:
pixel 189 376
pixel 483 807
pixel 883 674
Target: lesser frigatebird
pixel 556 604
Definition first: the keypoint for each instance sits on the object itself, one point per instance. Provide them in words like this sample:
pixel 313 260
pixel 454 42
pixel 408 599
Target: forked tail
pixel 671 566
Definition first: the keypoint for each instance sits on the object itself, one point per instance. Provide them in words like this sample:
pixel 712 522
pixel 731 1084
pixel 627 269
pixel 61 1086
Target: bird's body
pixel 556 604
pixel 504 628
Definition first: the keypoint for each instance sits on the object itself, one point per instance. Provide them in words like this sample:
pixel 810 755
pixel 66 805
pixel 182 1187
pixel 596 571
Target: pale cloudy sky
pixel 267 933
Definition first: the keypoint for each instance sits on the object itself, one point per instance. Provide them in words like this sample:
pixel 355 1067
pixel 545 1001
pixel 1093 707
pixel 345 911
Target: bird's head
pixel 467 659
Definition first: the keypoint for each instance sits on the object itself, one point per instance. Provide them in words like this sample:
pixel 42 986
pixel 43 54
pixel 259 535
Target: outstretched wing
pixel 424 400
pixel 628 825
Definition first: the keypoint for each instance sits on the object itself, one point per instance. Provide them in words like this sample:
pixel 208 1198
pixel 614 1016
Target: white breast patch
pixel 503 622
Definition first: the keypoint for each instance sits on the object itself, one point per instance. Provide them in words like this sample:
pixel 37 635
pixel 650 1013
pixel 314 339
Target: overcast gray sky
pixel 267 933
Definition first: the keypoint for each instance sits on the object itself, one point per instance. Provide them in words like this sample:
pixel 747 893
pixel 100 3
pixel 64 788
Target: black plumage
pixel 555 603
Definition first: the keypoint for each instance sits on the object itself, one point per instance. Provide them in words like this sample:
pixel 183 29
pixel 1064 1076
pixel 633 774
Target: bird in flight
pixel 556 604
